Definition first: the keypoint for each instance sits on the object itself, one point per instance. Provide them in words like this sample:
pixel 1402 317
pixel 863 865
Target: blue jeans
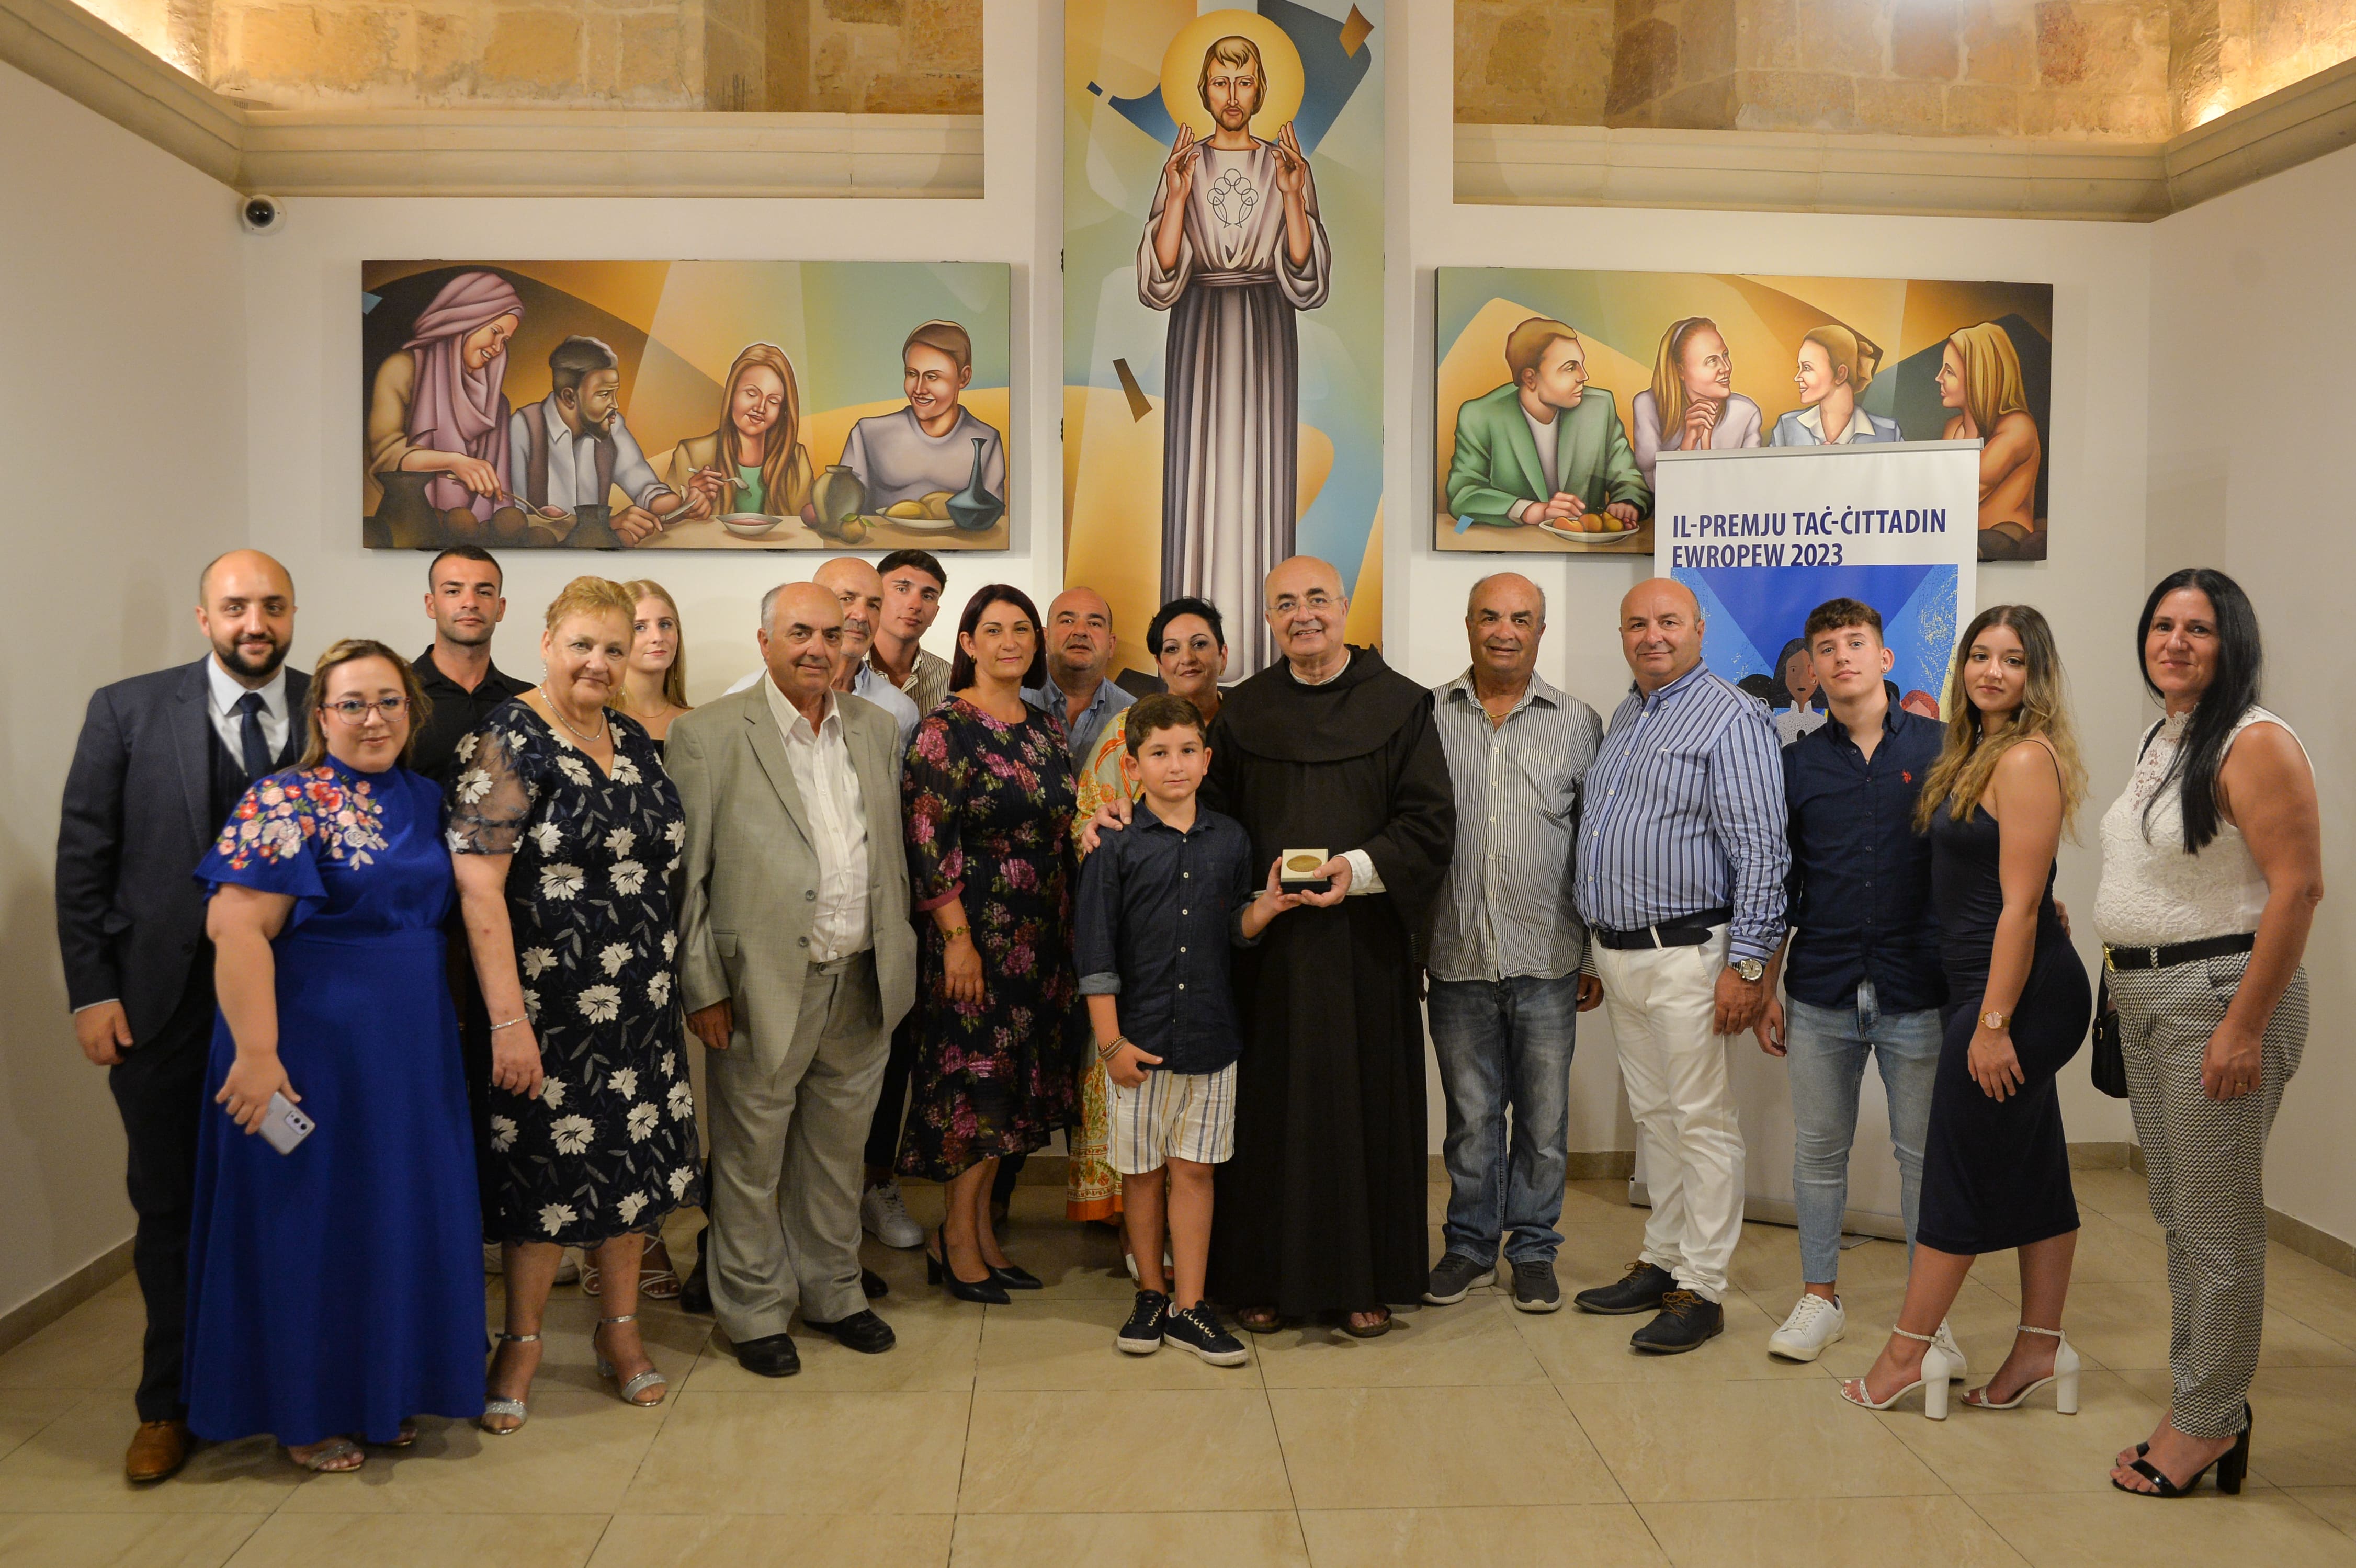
pixel 1500 1043
pixel 1825 1050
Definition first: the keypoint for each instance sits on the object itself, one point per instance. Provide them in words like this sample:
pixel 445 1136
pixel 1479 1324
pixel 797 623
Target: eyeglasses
pixel 352 711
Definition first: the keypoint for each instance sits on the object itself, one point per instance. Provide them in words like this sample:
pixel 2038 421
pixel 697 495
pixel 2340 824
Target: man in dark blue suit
pixel 163 760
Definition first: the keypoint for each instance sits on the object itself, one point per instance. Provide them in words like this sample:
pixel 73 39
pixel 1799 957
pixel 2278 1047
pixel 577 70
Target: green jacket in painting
pixel 1496 463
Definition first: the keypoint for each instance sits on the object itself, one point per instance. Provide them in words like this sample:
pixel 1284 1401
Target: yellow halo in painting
pixel 1182 71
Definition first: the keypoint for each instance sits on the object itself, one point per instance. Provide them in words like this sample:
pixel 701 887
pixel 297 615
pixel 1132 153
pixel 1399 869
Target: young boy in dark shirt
pixel 1159 906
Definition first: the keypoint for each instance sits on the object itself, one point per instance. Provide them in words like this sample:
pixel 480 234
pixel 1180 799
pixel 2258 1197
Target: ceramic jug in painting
pixel 974 508
pixel 840 493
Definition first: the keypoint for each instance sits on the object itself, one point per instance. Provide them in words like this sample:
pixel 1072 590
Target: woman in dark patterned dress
pixel 565 830
pixel 988 793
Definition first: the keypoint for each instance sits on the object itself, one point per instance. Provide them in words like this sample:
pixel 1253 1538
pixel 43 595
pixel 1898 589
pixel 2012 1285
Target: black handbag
pixel 2109 1063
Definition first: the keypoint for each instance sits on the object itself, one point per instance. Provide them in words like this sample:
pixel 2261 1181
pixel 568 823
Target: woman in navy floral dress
pixel 987 792
pixel 565 830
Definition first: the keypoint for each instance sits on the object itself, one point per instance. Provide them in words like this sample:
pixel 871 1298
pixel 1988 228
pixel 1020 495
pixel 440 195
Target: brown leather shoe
pixel 158 1449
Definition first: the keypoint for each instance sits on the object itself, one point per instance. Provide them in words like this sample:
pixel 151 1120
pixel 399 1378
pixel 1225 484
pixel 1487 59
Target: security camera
pixel 261 214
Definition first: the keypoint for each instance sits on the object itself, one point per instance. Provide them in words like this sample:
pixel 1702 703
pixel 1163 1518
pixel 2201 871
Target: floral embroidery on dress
pixel 347 820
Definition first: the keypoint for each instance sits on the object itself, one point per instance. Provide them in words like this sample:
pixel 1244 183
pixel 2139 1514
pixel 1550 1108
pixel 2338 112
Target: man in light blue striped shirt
pixel 1680 880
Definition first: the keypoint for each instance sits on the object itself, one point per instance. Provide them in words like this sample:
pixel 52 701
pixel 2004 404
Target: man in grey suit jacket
pixel 796 958
pixel 163 759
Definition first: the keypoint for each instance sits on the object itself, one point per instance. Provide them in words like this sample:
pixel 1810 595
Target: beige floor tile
pixel 2336 1505
pixel 2107 1530
pixel 2305 1432
pixel 1984 1325
pixel 1827 1533
pixel 1132 1540
pixel 804 1452
pixel 24 1412
pixel 1071 1259
pixel 1579 1534
pixel 2125 1325
pixel 111 1540
pixel 2121 1194
pixel 479 1540
pixel 94 1346
pixel 1743 1440
pixel 1424 1448
pixel 2034 1448
pixel 1578 1346
pixel 573 1456
pixel 2322 1298
pixel 74 1464
pixel 1594 1202
pixel 1085 1451
pixel 2108 1253
pixel 1068 1344
pixel 1767 1262
pixel 935 1340
pixel 1473 1343
pixel 774 1540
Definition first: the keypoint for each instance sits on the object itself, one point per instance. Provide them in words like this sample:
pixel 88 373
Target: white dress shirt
pixel 230 726
pixel 871 685
pixel 821 759
pixel 1546 436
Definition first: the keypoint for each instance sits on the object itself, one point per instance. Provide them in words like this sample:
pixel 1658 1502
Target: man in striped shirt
pixel 1680 880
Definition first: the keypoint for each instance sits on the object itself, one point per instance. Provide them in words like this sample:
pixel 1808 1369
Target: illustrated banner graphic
pixel 1762 538
pixel 1222 270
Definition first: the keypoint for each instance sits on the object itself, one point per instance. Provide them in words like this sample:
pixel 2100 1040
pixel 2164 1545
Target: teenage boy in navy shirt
pixel 1159 906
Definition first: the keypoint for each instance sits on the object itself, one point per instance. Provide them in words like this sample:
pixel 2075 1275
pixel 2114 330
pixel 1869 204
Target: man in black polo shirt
pixel 463 595
pixel 1861 966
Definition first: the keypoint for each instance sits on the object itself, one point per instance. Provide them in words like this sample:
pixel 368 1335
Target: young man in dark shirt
pixel 1158 907
pixel 464 594
pixel 1861 966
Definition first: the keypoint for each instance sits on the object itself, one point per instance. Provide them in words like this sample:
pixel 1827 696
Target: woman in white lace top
pixel 2212 866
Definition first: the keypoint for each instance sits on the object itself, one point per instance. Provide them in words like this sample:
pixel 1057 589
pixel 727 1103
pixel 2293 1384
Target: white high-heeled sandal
pixel 2063 1377
pixel 630 1390
pixel 1931 1381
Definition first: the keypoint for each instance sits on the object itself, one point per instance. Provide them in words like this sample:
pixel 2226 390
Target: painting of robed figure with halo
pixel 685 405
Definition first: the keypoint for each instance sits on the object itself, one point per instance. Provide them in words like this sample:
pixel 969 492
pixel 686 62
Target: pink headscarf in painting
pixel 455 409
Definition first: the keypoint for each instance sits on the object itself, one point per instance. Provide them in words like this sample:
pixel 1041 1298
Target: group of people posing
pixel 404 957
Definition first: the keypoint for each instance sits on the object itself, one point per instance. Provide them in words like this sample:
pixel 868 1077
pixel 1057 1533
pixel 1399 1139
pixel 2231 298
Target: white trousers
pixel 1662 1003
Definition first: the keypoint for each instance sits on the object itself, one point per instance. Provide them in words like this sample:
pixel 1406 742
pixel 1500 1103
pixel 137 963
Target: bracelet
pixel 953 932
pixel 509 1024
pixel 1106 1053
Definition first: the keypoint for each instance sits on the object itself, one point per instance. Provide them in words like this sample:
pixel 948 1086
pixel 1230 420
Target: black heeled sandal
pixel 985 1291
pixel 2233 1468
pixel 1013 1277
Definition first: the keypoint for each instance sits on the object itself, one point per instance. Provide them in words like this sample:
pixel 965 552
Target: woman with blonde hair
pixel 754 461
pixel 1996 1165
pixel 565 830
pixel 654 685
pixel 1692 405
pixel 1835 367
pixel 1980 378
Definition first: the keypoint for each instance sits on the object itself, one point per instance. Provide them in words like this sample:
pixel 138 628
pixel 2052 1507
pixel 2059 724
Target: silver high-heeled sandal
pixel 2063 1377
pixel 646 1380
pixel 514 1407
pixel 1932 1379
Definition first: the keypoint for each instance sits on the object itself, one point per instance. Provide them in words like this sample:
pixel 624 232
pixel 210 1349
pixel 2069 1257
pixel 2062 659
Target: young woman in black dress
pixel 1996 1168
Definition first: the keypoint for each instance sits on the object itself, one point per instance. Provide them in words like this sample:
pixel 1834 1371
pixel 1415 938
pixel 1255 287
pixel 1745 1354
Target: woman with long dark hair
pixel 2213 865
pixel 1996 1165
pixel 987 793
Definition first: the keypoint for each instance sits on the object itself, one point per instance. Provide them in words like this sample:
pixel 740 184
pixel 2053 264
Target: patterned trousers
pixel 2206 1160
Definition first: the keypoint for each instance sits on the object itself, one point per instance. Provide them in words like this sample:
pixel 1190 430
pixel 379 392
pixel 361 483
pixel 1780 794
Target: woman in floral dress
pixel 565 830
pixel 987 793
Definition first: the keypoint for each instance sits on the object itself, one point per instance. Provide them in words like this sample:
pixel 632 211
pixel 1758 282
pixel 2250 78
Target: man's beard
pixel 233 659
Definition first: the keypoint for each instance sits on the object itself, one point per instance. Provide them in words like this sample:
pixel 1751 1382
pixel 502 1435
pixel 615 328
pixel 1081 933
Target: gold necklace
pixel 585 739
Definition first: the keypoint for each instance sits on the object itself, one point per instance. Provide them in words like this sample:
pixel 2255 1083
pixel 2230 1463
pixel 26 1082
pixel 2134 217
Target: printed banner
pixel 1223 273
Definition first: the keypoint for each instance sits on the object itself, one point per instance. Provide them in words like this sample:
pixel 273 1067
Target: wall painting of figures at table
pixel 1623 365
pixel 685 405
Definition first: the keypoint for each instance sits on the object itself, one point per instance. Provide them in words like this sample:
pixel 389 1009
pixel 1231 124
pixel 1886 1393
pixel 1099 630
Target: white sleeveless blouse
pixel 2152 892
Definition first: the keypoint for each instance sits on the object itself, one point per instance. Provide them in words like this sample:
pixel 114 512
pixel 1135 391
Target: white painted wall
pixel 122 397
pixel 2252 472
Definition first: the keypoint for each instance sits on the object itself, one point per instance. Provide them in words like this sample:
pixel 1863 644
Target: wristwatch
pixel 1995 1020
pixel 1751 970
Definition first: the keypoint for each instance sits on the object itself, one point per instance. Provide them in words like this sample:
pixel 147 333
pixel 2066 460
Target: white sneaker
pixel 1814 1323
pixel 885 1218
pixel 568 1269
pixel 1944 1339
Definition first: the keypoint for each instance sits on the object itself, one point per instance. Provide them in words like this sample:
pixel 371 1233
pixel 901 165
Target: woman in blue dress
pixel 335 1291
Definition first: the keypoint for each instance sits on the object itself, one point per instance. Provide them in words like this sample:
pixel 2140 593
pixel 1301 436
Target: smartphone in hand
pixel 284 1126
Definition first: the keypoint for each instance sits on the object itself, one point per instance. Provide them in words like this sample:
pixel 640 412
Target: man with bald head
pixel 162 761
pixel 1321 1208
pixel 1505 986
pixel 795 959
pixel 1079 650
pixel 859 589
pixel 1680 880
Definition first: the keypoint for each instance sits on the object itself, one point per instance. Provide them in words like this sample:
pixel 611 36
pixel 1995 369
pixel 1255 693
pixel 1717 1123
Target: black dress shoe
pixel 871 1286
pixel 1639 1290
pixel 695 1293
pixel 1686 1322
pixel 1013 1277
pixel 861 1332
pixel 985 1291
pixel 770 1356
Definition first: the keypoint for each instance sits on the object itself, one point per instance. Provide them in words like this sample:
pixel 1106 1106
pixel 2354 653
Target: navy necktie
pixel 248 735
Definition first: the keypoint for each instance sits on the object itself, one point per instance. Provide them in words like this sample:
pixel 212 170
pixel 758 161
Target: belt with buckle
pixel 2169 956
pixel 1685 931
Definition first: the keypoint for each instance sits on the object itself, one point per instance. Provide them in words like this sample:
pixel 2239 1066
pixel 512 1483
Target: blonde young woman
pixel 1980 378
pixel 1692 405
pixel 754 461
pixel 1996 1168
pixel 1835 367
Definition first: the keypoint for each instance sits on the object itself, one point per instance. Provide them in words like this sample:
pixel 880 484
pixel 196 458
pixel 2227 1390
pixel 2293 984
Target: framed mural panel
pixel 685 405
pixel 1222 270
pixel 1555 392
